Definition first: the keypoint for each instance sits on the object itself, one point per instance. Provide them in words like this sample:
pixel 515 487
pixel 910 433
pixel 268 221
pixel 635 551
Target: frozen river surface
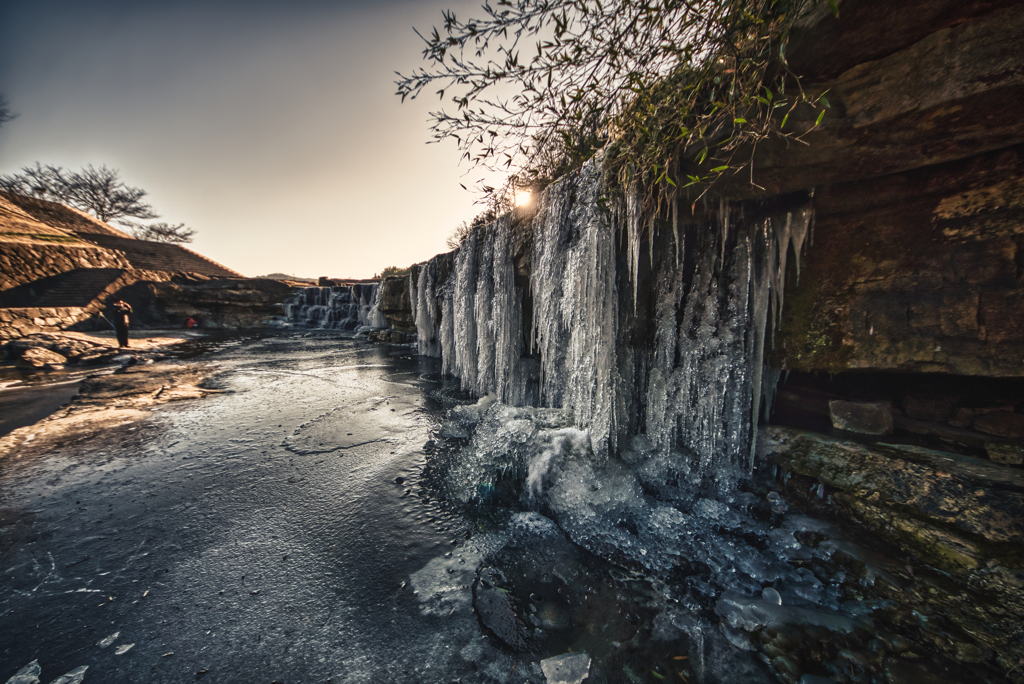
pixel 274 532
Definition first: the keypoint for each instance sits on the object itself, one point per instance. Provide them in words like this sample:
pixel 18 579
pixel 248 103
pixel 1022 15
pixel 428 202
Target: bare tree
pixel 103 193
pixel 5 111
pixel 44 182
pixel 459 235
pixel 161 232
pixel 99 191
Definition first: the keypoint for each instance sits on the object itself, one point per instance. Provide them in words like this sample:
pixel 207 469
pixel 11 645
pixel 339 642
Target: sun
pixel 523 198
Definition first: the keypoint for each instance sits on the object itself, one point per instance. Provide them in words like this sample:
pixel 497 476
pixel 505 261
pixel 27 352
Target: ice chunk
pixel 772 596
pixel 109 640
pixel 74 677
pixel 709 508
pixel 26 675
pixel 569 668
pixel 743 612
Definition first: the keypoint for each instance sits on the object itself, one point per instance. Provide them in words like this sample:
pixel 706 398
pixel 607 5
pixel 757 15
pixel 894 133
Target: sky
pixel 271 128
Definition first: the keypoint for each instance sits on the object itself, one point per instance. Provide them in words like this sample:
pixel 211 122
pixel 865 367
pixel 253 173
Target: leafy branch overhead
pixel 677 91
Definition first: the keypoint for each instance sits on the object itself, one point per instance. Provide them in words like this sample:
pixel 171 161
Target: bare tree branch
pixel 160 232
pixel 5 111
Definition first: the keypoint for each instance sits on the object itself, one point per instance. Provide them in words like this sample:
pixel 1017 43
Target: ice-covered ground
pixel 739 587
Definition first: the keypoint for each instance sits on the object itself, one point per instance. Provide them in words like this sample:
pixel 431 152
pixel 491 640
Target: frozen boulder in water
pixel 74 677
pixel 569 668
pixel 26 675
pixel 498 610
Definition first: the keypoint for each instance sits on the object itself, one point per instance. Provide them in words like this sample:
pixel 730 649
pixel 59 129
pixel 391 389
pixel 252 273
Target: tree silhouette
pixel 99 191
pixel 5 111
pixel 161 232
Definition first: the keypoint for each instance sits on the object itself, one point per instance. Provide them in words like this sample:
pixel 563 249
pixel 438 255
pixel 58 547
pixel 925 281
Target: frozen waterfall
pixel 341 307
pixel 562 308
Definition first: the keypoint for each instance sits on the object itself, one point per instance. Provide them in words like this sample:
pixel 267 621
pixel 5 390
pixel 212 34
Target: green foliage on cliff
pixel 392 271
pixel 678 92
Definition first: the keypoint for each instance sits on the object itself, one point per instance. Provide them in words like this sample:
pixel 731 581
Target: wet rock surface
pixel 957 515
pixel 37 357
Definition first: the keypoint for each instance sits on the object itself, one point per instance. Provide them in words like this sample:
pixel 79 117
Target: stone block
pixel 1001 424
pixel 1006 454
pixel 1002 313
pixel 928 407
pixel 959 314
pixel 935 545
pixel 867 418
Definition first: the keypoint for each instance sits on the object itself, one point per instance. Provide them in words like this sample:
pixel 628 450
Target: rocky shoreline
pixel 126 386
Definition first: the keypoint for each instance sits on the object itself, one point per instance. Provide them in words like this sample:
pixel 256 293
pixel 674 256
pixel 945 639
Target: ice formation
pixel 557 309
pixel 30 675
pixel 340 307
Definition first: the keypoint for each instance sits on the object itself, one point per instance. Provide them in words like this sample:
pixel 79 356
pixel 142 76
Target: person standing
pixel 121 310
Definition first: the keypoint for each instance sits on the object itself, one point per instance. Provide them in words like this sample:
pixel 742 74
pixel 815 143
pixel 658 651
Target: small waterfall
pixel 340 307
pixel 558 310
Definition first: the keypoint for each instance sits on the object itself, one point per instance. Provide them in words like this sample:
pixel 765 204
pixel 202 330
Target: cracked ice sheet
pixel 445 584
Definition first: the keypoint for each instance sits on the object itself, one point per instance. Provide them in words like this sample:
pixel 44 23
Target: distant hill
pixel 285 276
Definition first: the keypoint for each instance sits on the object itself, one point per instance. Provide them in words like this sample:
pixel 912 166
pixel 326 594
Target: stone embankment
pixel 22 262
pixel 61 267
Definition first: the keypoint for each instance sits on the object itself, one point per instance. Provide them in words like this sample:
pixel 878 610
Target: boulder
pixel 39 357
pixel 864 417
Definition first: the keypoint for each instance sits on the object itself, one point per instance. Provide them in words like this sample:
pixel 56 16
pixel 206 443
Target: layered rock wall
pixel 26 262
pixel 921 271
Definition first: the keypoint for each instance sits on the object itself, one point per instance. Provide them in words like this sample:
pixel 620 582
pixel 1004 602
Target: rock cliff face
pixel 915 261
pixel 60 267
pixel 883 264
pixel 220 303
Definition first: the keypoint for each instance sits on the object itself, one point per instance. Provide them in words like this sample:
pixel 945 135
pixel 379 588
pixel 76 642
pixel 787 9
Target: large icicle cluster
pixel 340 307
pixel 672 349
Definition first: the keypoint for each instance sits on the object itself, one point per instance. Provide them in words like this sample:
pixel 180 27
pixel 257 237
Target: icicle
pixel 782 233
pixel 762 255
pixel 464 323
pixel 798 234
pixel 769 389
pixel 650 243
pixel 675 228
pixel 723 217
pixel 633 236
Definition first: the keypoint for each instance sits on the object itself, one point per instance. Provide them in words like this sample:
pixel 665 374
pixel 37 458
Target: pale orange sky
pixel 269 127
